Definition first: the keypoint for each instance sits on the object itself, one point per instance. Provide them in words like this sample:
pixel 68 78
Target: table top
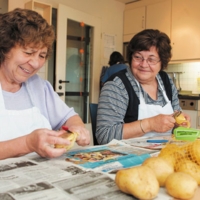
pixel 33 177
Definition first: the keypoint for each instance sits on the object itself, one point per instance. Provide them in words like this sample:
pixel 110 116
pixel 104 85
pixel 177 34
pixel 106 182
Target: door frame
pixel 65 13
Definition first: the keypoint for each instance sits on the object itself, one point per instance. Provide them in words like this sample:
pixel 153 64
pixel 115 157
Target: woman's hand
pixel 75 124
pixel 83 138
pixel 161 123
pixel 187 117
pixel 42 141
pixel 186 120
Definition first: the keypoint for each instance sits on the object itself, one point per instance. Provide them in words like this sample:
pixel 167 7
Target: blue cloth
pixel 112 70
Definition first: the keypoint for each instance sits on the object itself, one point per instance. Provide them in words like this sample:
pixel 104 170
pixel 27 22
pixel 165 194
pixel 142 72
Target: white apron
pixel 147 111
pixel 16 123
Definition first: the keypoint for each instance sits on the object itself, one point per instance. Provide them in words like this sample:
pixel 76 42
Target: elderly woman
pixel 31 113
pixel 141 100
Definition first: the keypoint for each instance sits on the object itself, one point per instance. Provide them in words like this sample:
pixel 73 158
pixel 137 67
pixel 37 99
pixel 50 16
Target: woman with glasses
pixel 140 100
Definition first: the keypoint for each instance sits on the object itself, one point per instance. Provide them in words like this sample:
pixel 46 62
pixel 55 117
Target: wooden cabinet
pixel 158 16
pixel 3 6
pixel 42 8
pixel 134 21
pixel 155 15
pixel 178 19
pixel 185 29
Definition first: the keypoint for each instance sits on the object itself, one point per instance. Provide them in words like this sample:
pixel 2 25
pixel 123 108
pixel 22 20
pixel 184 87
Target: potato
pixel 190 168
pixel 181 119
pixel 138 181
pixel 169 158
pixel 169 149
pixel 71 137
pixel 172 153
pixel 161 168
pixel 181 185
pixel 193 151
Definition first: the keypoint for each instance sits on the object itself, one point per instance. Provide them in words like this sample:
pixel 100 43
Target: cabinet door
pixel 185 29
pixel 158 16
pixel 42 8
pixel 134 22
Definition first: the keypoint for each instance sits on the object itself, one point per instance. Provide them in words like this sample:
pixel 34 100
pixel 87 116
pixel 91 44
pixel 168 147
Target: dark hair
pixel 145 39
pixel 24 27
pixel 115 58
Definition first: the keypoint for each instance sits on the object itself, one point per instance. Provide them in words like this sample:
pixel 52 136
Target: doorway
pixel 78 67
pixel 78 34
pixel 77 79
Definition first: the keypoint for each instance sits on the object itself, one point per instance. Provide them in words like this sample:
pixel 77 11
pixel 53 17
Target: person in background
pixel 141 100
pixel 31 112
pixel 116 63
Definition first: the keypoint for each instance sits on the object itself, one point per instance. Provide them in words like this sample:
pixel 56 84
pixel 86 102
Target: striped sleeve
pixel 112 106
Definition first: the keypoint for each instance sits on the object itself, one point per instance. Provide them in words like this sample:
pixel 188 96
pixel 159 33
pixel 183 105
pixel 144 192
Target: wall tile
pixel 190 73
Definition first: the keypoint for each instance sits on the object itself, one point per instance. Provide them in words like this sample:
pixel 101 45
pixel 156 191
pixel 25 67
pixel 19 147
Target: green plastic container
pixel 188 134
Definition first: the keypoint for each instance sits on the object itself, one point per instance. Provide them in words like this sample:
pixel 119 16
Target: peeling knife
pixel 66 129
pixel 177 113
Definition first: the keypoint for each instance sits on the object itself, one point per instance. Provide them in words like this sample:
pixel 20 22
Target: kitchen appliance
pixel 191 106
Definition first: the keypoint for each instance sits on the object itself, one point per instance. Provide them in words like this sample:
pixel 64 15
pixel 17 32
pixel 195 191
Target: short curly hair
pixel 147 38
pixel 24 27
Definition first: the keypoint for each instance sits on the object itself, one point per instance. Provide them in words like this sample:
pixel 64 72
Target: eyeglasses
pixel 140 59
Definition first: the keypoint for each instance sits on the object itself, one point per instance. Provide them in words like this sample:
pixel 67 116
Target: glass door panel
pixel 77 67
pixel 74 71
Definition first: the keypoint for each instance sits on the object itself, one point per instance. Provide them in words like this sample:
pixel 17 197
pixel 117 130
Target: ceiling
pixel 127 1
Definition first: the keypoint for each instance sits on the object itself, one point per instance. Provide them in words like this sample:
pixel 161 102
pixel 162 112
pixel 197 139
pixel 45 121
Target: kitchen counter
pixel 190 96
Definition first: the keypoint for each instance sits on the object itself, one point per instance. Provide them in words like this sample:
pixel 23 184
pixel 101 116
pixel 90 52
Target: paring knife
pixel 66 129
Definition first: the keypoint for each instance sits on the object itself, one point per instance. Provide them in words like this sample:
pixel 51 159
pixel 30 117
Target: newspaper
pixel 155 143
pixel 32 177
pixel 112 157
pixel 29 178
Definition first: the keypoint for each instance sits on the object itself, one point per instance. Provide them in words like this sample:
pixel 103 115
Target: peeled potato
pixel 181 119
pixel 71 137
pixel 181 185
pixel 161 168
pixel 138 181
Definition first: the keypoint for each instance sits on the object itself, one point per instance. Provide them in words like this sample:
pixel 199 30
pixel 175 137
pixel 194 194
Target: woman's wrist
pixel 141 126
